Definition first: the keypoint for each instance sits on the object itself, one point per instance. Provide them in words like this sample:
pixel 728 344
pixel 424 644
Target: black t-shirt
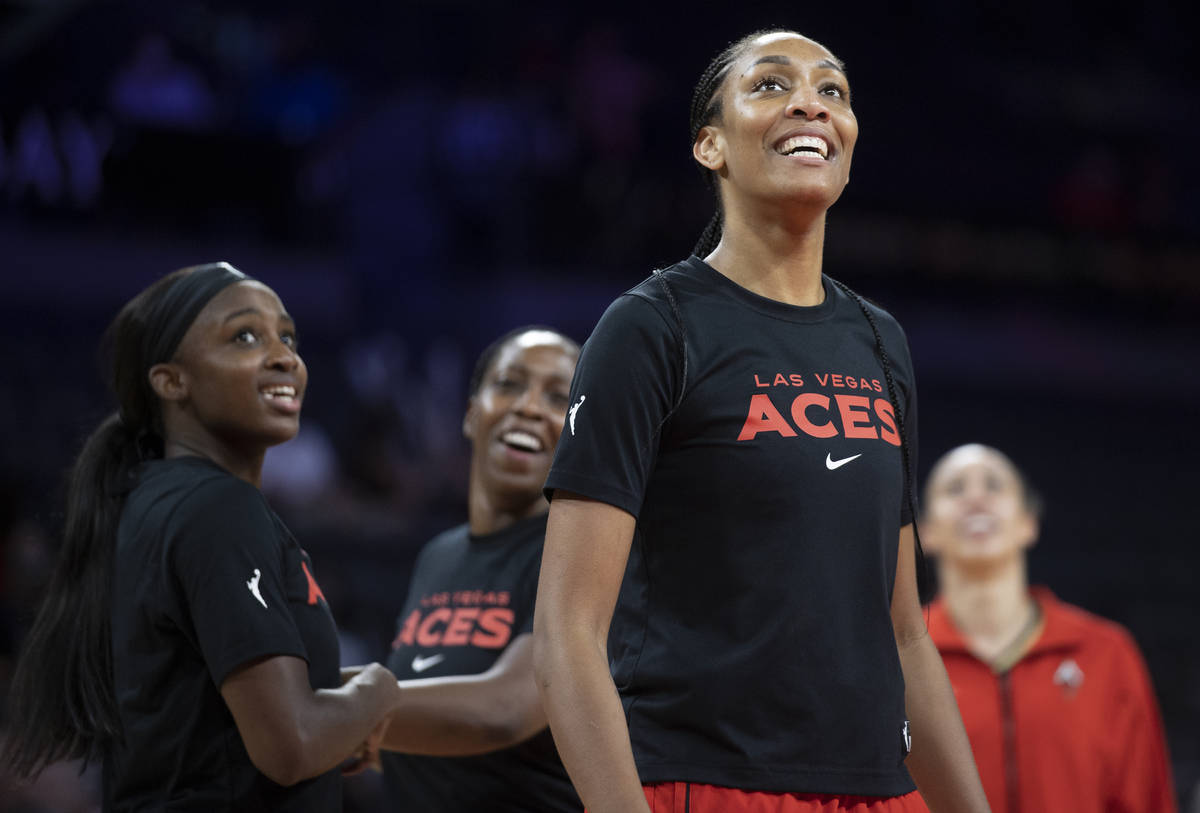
pixel 752 643
pixel 207 578
pixel 470 597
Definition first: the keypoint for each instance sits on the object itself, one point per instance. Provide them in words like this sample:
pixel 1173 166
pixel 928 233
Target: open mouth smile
pixel 522 441
pixel 804 145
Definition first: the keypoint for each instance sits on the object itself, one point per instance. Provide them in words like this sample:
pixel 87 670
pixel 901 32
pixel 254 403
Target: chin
pixel 279 435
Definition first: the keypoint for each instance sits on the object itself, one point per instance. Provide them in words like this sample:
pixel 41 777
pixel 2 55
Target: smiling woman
pixel 183 640
pixel 463 648
pixel 753 529
pixel 1057 702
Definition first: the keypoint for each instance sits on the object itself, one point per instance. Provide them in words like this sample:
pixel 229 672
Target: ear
pixel 709 148
pixel 168 381
pixel 469 420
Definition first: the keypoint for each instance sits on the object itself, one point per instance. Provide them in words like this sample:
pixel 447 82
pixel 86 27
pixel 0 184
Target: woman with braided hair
pixel 184 641
pixel 735 480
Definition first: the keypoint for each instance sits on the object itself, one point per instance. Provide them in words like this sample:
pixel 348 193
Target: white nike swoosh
pixel 420 664
pixel 832 464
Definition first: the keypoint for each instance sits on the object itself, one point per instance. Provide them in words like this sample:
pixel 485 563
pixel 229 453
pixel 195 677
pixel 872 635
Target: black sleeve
pixel 623 390
pixel 226 559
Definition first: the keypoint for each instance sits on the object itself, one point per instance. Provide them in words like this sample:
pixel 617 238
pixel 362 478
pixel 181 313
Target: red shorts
pixel 689 797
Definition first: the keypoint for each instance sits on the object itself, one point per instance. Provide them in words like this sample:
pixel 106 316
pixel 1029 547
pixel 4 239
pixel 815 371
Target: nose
pixel 975 495
pixel 807 104
pixel 282 356
pixel 530 403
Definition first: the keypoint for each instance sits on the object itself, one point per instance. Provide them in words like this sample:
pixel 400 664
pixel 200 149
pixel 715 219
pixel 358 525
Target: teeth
pixel 282 391
pixel 522 440
pixel 805 143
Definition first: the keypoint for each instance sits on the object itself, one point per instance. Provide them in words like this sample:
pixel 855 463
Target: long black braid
pixel 924 583
pixel 706 108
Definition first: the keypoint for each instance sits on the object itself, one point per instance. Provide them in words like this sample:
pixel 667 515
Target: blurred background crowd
pixel 415 178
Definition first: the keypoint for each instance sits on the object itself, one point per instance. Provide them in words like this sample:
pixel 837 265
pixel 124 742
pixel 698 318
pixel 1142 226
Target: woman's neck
pixel 992 611
pixel 244 467
pixel 774 258
pixel 487 514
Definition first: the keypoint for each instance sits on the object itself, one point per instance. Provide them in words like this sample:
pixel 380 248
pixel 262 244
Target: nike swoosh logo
pixel 832 464
pixel 420 664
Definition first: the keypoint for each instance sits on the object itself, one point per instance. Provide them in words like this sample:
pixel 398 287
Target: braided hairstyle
pixel 705 109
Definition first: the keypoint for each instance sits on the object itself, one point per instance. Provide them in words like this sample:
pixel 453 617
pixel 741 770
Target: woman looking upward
pixel 184 640
pixel 739 454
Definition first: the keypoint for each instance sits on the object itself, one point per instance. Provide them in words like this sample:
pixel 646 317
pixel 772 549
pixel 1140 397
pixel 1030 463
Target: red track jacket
pixel 1073 726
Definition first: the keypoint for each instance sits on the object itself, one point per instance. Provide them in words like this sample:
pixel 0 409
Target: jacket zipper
pixel 1012 783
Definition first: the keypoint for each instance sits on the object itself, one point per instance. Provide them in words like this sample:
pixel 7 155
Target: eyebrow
pixel 243 311
pixel 518 367
pixel 774 59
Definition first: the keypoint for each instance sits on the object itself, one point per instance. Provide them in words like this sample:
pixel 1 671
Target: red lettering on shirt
pixel 800 415
pixel 495 629
pixel 764 417
pixel 883 409
pixel 427 636
pixel 405 636
pixel 460 626
pixel 314 589
pixel 484 628
pixel 856 416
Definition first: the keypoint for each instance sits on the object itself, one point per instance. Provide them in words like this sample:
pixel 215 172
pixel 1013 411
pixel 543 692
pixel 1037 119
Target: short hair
pixel 484 362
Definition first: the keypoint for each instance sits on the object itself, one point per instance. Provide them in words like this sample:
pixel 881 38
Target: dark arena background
pixel 416 178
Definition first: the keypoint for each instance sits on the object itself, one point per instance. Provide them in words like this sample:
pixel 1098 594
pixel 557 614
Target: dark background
pixel 414 179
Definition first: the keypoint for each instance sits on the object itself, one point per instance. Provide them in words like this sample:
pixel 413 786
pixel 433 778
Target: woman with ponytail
pixel 184 641
pixel 736 480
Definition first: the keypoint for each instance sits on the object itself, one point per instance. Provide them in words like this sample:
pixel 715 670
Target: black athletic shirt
pixel 752 643
pixel 207 579
pixel 470 597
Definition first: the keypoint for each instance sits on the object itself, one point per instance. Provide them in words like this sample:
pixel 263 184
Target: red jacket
pixel 1073 726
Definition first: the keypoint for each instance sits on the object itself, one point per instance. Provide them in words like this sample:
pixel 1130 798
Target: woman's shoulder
pixel 195 490
pixel 654 302
pixel 196 478
pixel 877 309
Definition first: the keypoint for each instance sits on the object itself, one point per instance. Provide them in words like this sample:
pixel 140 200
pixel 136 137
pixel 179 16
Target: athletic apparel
pixel 752 643
pixel 207 578
pixel 685 797
pixel 1073 725
pixel 470 597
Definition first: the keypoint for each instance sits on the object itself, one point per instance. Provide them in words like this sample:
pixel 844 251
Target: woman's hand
pixel 366 758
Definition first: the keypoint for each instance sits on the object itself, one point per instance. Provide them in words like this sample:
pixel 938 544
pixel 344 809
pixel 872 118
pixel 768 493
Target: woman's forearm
pixel 337 721
pixel 470 714
pixel 291 732
pixel 587 547
pixel 588 722
pixel 941 761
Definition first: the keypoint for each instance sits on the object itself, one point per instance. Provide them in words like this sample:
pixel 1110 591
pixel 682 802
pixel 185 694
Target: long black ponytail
pixel 62 704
